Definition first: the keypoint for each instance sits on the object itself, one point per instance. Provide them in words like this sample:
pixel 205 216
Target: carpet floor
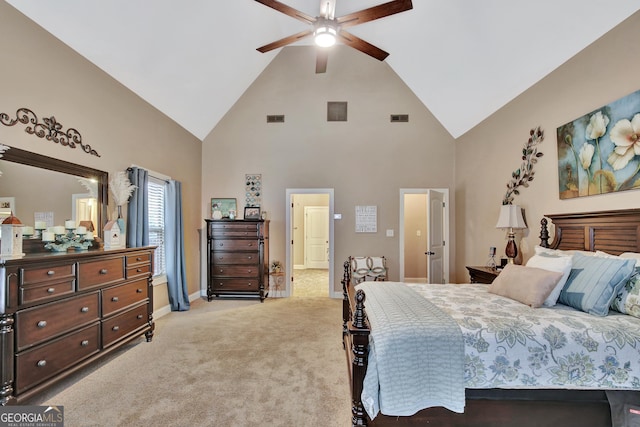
pixel 223 363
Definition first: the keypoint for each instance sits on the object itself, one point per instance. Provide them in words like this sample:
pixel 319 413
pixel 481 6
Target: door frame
pixel 447 226
pixel 289 192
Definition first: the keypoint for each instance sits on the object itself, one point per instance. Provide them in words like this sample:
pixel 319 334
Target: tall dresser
pixel 59 311
pixel 238 254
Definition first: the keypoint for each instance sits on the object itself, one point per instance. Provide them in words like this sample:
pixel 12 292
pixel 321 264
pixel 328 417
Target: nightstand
pixel 482 274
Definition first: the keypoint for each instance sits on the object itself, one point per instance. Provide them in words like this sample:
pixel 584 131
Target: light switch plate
pixel 390 233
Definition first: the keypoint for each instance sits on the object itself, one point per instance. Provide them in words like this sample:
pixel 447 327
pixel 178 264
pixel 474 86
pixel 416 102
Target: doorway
pixel 424 235
pixel 309 252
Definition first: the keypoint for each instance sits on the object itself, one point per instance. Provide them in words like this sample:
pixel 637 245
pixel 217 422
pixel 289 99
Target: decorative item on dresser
pixel 238 253
pixel 480 274
pixel 59 311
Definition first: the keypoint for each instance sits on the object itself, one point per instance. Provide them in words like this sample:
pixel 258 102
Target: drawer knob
pixel 250 244
pixel 115 328
pixel 249 284
pixel 42 363
pixel 50 273
pixel 139 316
pixel 84 310
pixel 103 271
pixel 139 291
pixel 138 270
pixel 250 257
pixel 84 343
pixel 115 299
pixel 221 271
pixel 138 259
pixel 51 290
pixel 42 324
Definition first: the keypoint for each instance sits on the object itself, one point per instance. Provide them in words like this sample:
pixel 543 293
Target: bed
pixel 501 403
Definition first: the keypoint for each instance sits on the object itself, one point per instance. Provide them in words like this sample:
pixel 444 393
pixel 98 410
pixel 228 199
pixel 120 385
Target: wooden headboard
pixel 613 232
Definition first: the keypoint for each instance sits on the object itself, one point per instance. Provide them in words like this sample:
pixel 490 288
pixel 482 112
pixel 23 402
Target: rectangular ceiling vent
pixel 275 118
pixel 399 118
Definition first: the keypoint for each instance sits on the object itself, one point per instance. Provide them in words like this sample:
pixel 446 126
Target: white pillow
pixel 624 255
pixel 558 263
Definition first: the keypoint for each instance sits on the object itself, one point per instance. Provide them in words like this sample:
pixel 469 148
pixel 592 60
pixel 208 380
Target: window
pixel 156 189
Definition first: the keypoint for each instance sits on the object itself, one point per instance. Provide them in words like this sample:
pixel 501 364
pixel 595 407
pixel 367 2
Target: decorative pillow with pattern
pixel 628 299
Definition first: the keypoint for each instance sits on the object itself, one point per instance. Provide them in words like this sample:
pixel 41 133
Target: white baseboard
pixel 167 308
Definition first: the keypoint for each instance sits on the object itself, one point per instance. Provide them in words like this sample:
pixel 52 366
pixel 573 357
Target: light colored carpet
pixel 311 283
pixel 223 363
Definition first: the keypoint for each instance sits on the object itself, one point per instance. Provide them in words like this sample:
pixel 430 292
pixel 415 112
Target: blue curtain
pixel 138 209
pixel 174 246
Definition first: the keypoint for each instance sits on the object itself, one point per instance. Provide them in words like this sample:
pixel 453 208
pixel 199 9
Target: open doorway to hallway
pixel 310 237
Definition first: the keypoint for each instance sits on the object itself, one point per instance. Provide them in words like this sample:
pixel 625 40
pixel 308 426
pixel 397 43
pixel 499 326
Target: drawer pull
pixel 115 328
pixel 51 290
pixel 139 316
pixel 84 310
pixel 139 291
pixel 138 270
pixel 221 270
pixel 42 324
pixel 115 299
pixel 50 273
pixel 250 257
pixel 103 271
pixel 250 244
pixel 42 363
pixel 84 343
pixel 138 259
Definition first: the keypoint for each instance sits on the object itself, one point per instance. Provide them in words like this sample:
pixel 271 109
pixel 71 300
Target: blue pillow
pixel 594 282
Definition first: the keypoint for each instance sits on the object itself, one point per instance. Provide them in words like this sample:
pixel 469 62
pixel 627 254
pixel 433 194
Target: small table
pixel 482 274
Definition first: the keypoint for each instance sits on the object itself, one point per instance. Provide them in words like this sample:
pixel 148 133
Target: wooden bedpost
pixel 544 233
pixel 360 350
pixel 346 312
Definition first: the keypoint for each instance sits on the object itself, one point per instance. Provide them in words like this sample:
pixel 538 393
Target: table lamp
pixel 511 219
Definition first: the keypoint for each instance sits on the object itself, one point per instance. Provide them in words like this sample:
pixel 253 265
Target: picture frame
pixel 224 205
pixel 252 212
pixel 7 207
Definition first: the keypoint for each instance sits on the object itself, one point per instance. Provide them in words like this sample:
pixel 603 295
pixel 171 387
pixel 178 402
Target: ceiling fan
pixel 326 28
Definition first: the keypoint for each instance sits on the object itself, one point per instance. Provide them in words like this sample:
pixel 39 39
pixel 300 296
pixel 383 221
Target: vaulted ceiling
pixel 192 59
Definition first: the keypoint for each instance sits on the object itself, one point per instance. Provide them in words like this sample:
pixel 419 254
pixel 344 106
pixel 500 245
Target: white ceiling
pixel 192 59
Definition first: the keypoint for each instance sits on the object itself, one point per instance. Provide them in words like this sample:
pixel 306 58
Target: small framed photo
pixel 252 212
pixel 220 207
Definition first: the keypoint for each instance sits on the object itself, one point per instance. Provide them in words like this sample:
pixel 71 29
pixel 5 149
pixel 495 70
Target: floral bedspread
pixel 510 345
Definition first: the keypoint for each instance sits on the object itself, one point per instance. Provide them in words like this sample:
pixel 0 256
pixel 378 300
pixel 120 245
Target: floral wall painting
pixel 599 152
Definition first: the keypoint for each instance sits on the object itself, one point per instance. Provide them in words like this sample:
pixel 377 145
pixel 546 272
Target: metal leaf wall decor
pixel 523 175
pixel 49 129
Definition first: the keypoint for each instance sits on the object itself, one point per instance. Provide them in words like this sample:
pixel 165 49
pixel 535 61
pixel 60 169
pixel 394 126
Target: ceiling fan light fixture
pixel 325 35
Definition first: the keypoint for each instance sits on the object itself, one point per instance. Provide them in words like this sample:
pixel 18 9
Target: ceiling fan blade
pixel 322 55
pixel 288 10
pixel 285 41
pixel 375 12
pixel 363 46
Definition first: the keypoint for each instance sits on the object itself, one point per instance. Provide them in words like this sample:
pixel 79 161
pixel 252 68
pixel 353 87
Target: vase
pixel 120 221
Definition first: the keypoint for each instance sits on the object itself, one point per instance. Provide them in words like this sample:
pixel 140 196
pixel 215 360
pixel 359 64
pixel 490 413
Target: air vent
pixel 336 111
pixel 275 118
pixel 399 118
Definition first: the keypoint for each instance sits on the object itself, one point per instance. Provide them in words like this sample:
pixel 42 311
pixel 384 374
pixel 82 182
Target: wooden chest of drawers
pixel 60 311
pixel 238 253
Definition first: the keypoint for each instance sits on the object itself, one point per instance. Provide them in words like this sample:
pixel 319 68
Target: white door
pixel 436 237
pixel 316 236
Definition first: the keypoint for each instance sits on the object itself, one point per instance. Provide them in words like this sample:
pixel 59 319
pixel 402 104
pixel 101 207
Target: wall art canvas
pixel 599 152
pixel 253 189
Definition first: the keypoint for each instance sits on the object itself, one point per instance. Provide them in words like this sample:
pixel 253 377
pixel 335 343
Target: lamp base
pixel 511 251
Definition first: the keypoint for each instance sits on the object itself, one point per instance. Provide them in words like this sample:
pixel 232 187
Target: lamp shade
pixel 511 217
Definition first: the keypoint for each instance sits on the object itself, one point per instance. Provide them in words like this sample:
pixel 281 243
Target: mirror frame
pixel 29 158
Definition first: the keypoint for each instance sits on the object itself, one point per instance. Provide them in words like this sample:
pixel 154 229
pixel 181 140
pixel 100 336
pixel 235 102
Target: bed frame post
pixel 360 350
pixel 544 233
pixel 346 311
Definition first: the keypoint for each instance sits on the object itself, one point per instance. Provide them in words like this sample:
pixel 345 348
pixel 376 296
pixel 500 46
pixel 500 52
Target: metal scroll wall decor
pixel 49 129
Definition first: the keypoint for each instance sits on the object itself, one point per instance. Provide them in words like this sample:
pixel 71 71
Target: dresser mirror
pixel 37 187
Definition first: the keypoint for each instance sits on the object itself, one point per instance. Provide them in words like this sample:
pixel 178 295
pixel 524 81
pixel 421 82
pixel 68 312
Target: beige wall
pixel 40 73
pixel 366 160
pixel 486 155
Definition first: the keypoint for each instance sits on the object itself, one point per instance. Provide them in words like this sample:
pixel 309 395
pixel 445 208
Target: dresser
pixel 238 254
pixel 60 311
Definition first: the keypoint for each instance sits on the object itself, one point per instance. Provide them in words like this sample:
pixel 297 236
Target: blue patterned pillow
pixel 594 282
pixel 628 300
